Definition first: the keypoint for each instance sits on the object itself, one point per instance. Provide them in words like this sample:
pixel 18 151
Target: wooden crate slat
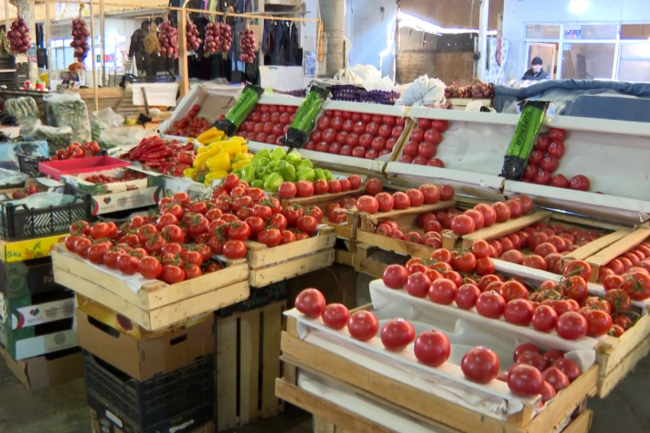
pixel 226 369
pixel 369 267
pixel 344 257
pixel 323 199
pixel 395 245
pixel 272 331
pixel 368 222
pixel 596 245
pixel 249 365
pixel 607 383
pixel 581 424
pixel 625 244
pixel 501 229
pixel 258 258
pixel 613 350
pixel 272 274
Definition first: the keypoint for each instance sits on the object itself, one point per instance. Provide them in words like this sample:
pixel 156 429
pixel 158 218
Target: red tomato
pixel 556 378
pixel 432 348
pixel 311 303
pixel 433 136
pixel 96 252
pixel 579 183
pixel 305 188
pixel 490 304
pixel 373 186
pixel 321 186
pixel 489 214
pixel 234 249
pixel 462 225
pixel 503 212
pixel 385 201
pixel 557 134
pixel 363 325
pixel 334 186
pixel 514 256
pixel 579 267
pixel 396 334
pixel 467 296
pixel 599 322
pixel 172 274
pixel 443 291
pixel 401 200
pixel 367 204
pixel 82 245
pixel 336 316
pixel 418 284
pixel 149 267
pixel 447 192
pixel 568 367
pixel 416 196
pixel 287 190
pixel 395 276
pixel 525 380
pixel 128 264
pixel 572 326
pixel 270 237
pixel 480 364
pixel 465 262
pixel 307 224
pixel 541 143
pixel 355 181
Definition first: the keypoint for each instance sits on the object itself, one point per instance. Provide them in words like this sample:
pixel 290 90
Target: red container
pixel 83 165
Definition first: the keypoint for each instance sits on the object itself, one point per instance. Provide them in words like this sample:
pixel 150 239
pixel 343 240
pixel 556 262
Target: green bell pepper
pixel 273 182
pixel 278 154
pixel 261 155
pixel 258 183
pixel 320 174
pixel 273 165
pixel 261 162
pixel 200 175
pixel 294 157
pixel 238 173
pixel 307 174
pixel 287 171
pixel 328 175
pixel 305 163
pixel 260 171
pixel 249 173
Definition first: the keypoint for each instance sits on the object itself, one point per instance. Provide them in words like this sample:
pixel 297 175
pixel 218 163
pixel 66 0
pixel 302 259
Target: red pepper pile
pixel 190 125
pixel 164 156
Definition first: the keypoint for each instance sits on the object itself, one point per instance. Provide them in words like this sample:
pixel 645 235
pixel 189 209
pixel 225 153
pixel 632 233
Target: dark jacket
pixel 541 75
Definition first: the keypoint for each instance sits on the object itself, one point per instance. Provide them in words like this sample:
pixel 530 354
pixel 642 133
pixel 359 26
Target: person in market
pixel 143 60
pixel 536 71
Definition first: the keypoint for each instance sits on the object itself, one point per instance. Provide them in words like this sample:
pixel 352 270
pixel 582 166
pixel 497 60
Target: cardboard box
pixel 48 370
pixel 143 359
pixel 36 325
pixel 27 249
pixel 29 277
pixel 123 324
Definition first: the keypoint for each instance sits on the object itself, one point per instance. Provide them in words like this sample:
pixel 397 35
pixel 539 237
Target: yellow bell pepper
pixel 210 133
pixel 202 158
pixel 240 164
pixel 214 139
pixel 189 172
pixel 214 175
pixel 231 147
pixel 202 149
pixel 237 139
pixel 243 157
pixel 244 148
pixel 219 162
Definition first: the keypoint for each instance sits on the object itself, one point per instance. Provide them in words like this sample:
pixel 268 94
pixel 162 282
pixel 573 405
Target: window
pixel 591 50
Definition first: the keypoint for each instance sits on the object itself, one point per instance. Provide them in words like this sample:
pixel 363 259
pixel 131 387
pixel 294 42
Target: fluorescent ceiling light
pixel 578 6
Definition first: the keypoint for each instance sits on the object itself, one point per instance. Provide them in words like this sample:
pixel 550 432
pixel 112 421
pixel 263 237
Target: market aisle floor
pixel 62 409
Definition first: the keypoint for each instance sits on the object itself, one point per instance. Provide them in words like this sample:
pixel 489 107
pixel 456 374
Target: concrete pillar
pixel 333 15
pixel 26 11
pixel 483 27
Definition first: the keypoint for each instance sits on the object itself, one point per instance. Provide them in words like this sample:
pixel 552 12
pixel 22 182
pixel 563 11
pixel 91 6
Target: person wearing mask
pixel 536 72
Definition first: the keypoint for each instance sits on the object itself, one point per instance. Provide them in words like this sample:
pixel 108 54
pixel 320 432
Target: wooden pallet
pixel 343 231
pixel 270 265
pixel 407 220
pixel 299 355
pixel 156 305
pixel 247 364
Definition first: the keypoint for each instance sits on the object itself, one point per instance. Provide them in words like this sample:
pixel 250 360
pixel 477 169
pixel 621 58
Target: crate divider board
pixel 270 265
pixel 156 305
pixel 630 241
pixel 497 230
pixel 243 340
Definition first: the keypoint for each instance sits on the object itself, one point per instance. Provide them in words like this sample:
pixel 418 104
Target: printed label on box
pixel 27 249
pixel 125 200
pixel 44 344
pixel 43 313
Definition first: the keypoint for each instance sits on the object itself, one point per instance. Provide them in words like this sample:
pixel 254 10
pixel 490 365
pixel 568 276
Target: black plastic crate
pixel 29 164
pixel 151 403
pixel 17 222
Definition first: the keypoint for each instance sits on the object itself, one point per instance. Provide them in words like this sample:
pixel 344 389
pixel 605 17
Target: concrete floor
pixel 62 408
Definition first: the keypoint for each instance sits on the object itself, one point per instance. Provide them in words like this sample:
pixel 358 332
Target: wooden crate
pixel 343 231
pixel 270 265
pixel 299 355
pixel 407 220
pixel 364 264
pixel 156 305
pixel 623 245
pixel 247 364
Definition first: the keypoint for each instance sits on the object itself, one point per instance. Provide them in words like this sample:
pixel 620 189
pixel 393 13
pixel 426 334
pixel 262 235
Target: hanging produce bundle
pixel 19 40
pixel 5 47
pixel 247 45
pixel 168 40
pixel 218 38
pixel 151 41
pixel 476 91
pixel 79 42
pixel 193 40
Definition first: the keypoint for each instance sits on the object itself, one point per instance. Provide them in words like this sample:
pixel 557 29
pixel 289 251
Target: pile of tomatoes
pixel 304 188
pixel 379 201
pixel 77 151
pixel 422 147
pixel 267 123
pixel 191 125
pixel 544 160
pixel 635 260
pixel 529 375
pixel 356 134
pixel 127 176
pixel 467 279
pixel 547 242
pixel 27 191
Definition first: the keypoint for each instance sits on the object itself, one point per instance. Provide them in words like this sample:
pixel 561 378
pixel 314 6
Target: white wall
pixel 113 27
pixel 518 12
pixel 369 30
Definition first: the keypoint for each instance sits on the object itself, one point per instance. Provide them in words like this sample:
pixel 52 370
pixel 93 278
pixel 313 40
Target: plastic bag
pixel 424 91
pixel 23 109
pixel 9 152
pixel 104 120
pixel 57 138
pixel 10 177
pixel 42 200
pixel 114 137
pixel 68 109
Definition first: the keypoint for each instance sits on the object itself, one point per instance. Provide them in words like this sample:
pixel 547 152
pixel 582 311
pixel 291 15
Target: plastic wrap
pixel 23 109
pixel 424 91
pixel 68 109
pixel 57 138
pixel 10 177
pixel 109 131
pixel 9 152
